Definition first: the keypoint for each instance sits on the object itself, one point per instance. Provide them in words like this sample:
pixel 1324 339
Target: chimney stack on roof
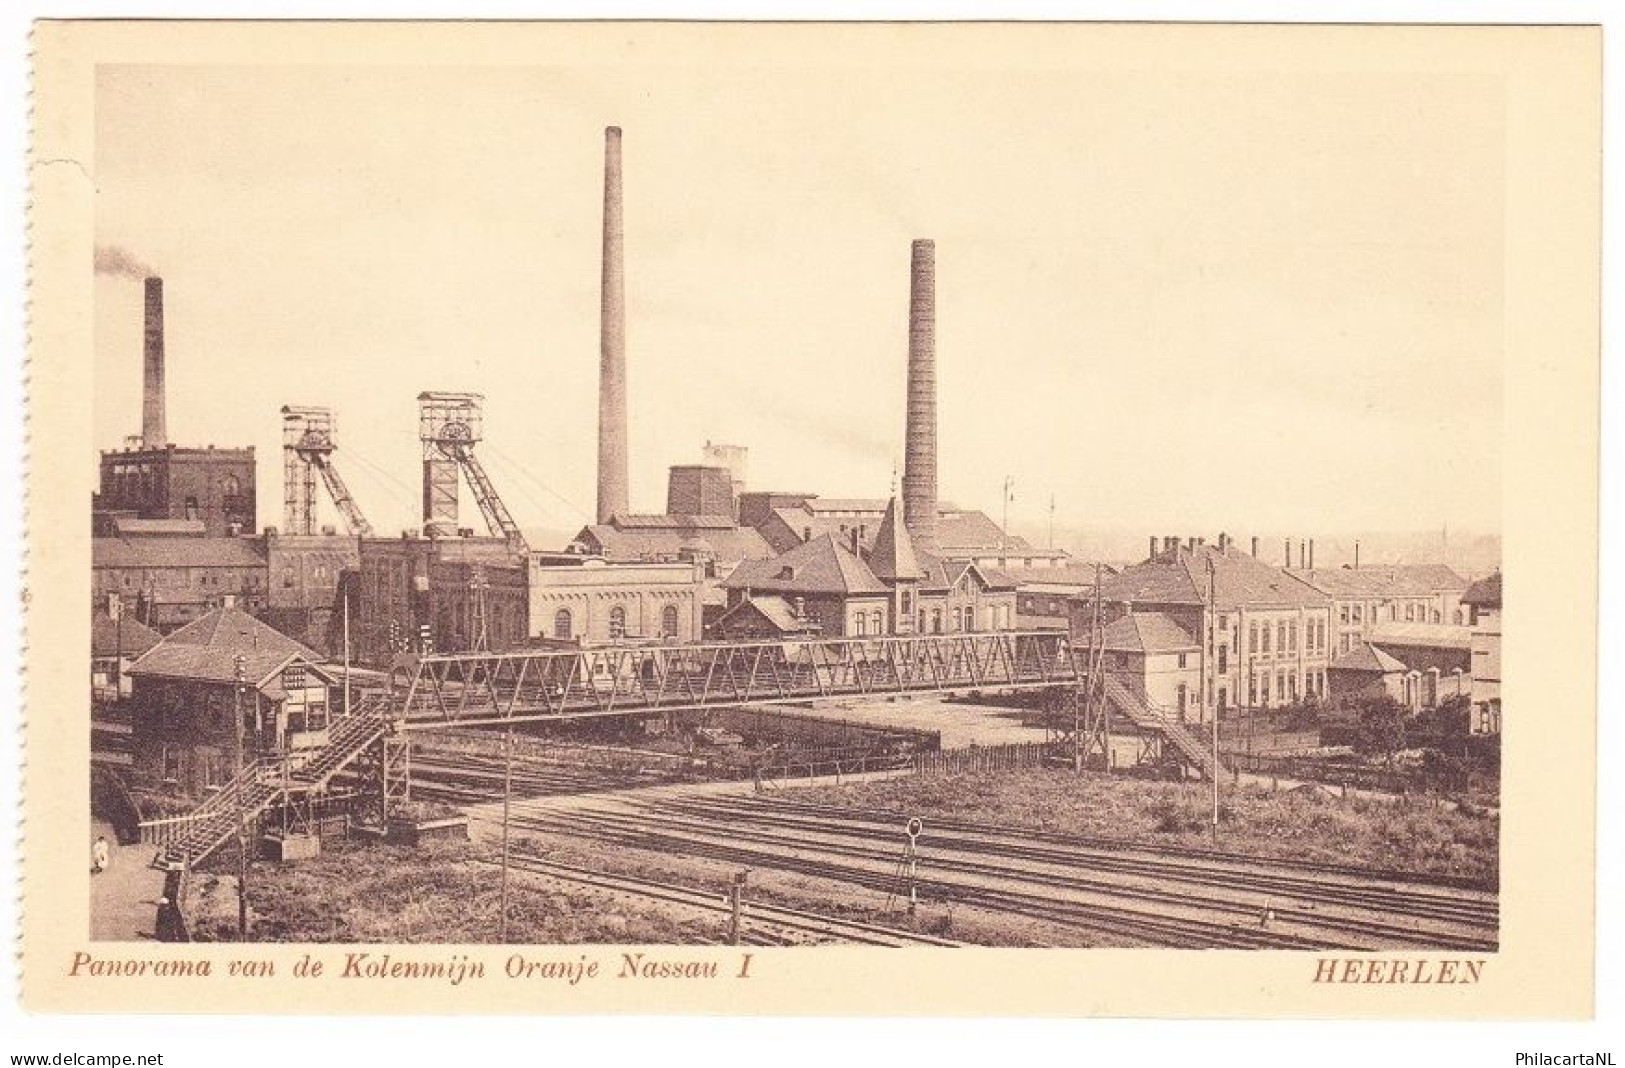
pixel 920 446
pixel 153 433
pixel 612 493
pixel 1151 553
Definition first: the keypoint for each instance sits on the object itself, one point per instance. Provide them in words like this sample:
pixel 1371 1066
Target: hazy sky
pixel 1189 301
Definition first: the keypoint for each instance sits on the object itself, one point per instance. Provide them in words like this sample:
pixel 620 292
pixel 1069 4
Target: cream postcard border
pixel 1552 79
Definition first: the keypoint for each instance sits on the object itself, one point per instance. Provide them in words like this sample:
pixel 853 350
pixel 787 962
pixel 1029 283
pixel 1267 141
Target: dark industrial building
pixel 156 479
pixel 211 486
pixel 169 576
pixel 422 594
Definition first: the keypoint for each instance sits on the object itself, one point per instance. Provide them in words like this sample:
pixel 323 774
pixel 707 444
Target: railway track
pixel 1107 842
pixel 763 923
pixel 1159 895
pixel 471 778
pixel 1202 868
pixel 1162 928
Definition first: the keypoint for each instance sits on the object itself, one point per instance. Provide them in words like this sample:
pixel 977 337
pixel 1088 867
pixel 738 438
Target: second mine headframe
pixel 450 425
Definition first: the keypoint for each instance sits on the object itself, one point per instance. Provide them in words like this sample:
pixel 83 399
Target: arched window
pixel 958 620
pixel 861 623
pixel 231 487
pixel 617 622
pixel 668 621
pixel 936 621
pixel 563 625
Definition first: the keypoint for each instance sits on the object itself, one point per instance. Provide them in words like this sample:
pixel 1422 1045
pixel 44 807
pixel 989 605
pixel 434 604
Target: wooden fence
pixel 1014 757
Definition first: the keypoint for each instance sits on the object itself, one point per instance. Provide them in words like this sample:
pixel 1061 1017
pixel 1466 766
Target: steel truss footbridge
pixel 372 738
pixel 533 685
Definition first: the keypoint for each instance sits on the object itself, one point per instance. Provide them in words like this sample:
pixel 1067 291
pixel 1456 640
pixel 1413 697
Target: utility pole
pixel 1212 609
pixel 507 794
pixel 478 584
pixel 345 604
pixel 115 608
pixel 240 672
pixel 1089 684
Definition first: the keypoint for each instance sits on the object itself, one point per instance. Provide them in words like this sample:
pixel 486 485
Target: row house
pixel 1364 598
pixel 1262 637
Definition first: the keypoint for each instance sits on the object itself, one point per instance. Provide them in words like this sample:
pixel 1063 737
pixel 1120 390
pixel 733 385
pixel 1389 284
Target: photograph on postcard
pixel 745 490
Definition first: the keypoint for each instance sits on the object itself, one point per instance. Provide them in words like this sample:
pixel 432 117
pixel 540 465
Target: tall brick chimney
pixel 153 433
pixel 920 446
pixel 612 344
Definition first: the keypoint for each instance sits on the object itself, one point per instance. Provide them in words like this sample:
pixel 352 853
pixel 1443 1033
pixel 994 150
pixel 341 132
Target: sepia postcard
pixel 946 519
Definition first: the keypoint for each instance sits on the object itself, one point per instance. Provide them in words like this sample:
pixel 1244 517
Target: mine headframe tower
pixel 449 426
pixel 307 451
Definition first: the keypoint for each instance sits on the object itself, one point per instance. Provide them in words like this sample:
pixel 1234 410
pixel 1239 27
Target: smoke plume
pixel 111 259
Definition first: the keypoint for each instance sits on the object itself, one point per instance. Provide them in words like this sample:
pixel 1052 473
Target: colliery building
pixel 843 588
pixel 307 577
pixel 466 593
pixel 167 573
pixel 588 601
pixel 214 487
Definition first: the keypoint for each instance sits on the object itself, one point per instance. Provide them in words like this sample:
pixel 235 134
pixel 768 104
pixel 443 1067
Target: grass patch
pixel 1400 835
pixel 440 893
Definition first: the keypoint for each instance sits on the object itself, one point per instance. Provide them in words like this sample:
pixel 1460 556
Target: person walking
pixel 100 855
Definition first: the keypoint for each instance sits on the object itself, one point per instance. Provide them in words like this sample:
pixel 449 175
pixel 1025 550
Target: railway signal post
pixel 736 906
pixel 915 826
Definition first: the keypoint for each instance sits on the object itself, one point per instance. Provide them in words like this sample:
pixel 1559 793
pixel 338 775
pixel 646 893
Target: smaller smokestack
pixel 612 447
pixel 1152 551
pixel 1288 561
pixel 920 424
pixel 1311 554
pixel 154 435
pixel 1356 554
pixel 1255 546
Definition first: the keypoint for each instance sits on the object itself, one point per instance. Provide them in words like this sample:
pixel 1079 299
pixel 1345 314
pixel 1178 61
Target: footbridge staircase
pixel 270 781
pixel 1160 721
